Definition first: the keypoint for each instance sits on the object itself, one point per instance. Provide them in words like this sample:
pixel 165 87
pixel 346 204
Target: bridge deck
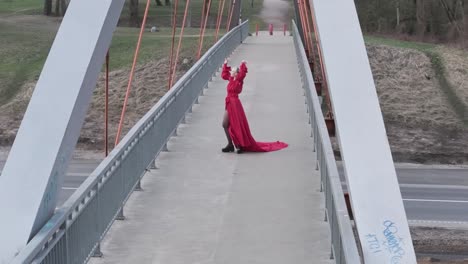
pixel 204 206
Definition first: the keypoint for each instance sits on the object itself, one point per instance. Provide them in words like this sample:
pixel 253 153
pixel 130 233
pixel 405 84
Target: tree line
pixel 429 20
pixel 59 7
pixel 55 7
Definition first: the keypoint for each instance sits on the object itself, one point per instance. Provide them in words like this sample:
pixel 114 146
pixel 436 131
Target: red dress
pixel 238 126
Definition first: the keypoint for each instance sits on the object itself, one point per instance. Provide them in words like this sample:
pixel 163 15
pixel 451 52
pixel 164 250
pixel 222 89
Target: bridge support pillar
pixel 38 160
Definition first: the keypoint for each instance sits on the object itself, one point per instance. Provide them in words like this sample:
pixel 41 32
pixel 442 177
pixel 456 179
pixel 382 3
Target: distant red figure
pixel 235 122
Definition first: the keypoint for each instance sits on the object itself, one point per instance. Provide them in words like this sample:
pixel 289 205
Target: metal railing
pixel 344 248
pixel 76 229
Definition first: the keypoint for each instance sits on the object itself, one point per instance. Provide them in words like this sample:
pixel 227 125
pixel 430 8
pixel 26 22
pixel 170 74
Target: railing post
pixel 97 252
pixel 120 215
pixel 152 165
pixel 138 186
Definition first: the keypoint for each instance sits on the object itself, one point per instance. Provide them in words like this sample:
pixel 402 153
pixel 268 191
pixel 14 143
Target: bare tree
pixel 134 20
pixel 397 5
pixel 57 7
pixel 63 7
pixel 465 22
pixel 451 14
pixel 420 17
pixel 47 7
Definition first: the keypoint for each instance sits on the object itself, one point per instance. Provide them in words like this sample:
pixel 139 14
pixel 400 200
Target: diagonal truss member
pixel 370 173
pixel 51 125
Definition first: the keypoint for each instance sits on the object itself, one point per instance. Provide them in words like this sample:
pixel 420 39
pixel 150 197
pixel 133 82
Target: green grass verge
pixel 20 6
pixel 400 43
pixel 23 52
pixel 23 49
pixel 154 46
pixel 437 65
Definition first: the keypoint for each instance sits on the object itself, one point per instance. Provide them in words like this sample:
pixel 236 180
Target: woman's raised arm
pixel 226 73
pixel 242 71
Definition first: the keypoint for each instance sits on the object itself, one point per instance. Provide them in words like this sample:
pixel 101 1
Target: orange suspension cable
pixel 306 12
pixel 180 42
pixel 202 20
pixel 230 16
pixel 130 79
pixel 220 19
pixel 204 28
pixel 302 20
pixel 174 25
pixel 304 27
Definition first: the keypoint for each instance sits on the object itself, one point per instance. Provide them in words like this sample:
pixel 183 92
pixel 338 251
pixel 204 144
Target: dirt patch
pixel 439 245
pixel 35 22
pixel 427 260
pixel 421 125
pixel 150 84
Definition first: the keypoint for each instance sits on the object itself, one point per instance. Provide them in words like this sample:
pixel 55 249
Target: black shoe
pixel 228 148
pixel 240 151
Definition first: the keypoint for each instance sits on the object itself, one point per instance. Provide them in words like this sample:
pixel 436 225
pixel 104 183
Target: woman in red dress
pixel 235 122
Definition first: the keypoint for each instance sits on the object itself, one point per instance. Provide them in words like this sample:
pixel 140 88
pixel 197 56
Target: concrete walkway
pixel 203 206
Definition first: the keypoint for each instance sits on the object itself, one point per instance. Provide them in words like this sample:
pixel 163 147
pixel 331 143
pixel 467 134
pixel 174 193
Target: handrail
pixel 76 229
pixel 344 248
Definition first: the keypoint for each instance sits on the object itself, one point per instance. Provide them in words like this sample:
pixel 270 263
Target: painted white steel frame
pixel 37 162
pixel 370 173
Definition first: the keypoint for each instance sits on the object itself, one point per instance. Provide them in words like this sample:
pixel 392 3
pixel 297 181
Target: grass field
pixel 25 43
pixel 20 6
pixel 23 52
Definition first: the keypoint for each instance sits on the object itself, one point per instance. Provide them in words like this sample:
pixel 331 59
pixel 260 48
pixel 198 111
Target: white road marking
pixel 435 201
pixel 434 186
pixel 427 186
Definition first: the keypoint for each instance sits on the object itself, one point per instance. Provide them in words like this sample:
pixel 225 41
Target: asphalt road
pixel 77 173
pixel 432 196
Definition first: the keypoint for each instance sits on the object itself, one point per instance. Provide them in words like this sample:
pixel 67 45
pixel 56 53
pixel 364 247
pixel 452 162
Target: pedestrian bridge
pixel 167 194
pixel 204 206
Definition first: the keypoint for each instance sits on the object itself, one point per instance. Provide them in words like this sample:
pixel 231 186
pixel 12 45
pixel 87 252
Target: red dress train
pixel 238 126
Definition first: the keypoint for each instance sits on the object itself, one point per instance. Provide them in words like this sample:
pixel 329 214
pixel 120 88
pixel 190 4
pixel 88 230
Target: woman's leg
pixel 226 127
